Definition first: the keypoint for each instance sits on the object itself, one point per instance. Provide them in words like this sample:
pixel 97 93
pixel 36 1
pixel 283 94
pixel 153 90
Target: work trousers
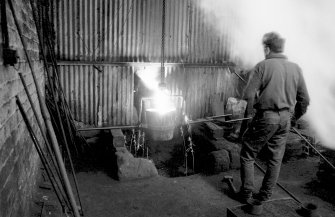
pixel 268 129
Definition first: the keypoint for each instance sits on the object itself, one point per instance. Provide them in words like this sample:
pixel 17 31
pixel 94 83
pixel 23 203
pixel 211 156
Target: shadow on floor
pixel 99 155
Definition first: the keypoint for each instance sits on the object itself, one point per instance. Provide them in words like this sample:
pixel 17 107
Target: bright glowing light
pixel 150 76
pixel 310 41
pixel 186 119
pixel 162 102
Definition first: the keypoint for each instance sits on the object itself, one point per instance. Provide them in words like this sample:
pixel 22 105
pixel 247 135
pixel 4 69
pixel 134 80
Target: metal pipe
pixel 239 119
pixel 144 64
pixel 200 121
pixel 219 116
pixel 39 123
pixel 107 128
pixel 209 119
pixel 237 75
pixel 46 116
pixel 39 151
pixel 282 187
pixel 323 157
pixel 35 16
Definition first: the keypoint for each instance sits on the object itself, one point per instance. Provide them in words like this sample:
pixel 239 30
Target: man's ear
pixel 266 50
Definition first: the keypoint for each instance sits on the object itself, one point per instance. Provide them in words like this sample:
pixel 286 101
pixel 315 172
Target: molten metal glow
pixel 162 102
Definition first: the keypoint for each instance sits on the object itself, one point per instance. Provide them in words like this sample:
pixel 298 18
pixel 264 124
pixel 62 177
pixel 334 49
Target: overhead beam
pixel 142 64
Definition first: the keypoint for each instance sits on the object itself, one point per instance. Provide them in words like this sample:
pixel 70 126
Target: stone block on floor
pixel 130 168
pixel 118 138
pixel 234 152
pixel 213 130
pixel 294 146
pixel 218 161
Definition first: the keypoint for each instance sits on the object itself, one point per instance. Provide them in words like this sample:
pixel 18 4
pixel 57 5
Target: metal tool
pixel 323 157
pixel 282 187
pixel 229 180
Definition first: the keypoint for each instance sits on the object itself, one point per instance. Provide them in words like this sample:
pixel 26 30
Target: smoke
pixel 310 41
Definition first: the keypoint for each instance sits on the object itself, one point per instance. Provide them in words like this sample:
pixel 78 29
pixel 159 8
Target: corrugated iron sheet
pixel 105 97
pixel 130 31
pixel 114 31
pixel 199 85
pixel 101 97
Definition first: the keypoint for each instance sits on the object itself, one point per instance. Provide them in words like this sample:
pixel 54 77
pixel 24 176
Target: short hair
pixel 274 41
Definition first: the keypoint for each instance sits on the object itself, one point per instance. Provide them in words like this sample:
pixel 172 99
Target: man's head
pixel 273 42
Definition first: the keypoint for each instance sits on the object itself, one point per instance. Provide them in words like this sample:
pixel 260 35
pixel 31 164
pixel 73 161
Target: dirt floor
pixel 173 194
pixel 195 195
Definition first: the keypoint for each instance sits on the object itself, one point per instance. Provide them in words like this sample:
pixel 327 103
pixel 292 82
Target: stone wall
pixel 19 162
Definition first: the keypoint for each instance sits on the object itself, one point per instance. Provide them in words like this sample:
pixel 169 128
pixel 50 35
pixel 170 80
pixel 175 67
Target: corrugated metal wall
pixel 199 85
pixel 102 96
pixel 130 31
pixel 119 31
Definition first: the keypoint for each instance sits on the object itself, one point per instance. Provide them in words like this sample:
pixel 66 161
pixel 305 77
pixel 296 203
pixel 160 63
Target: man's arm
pixel 251 89
pixel 302 99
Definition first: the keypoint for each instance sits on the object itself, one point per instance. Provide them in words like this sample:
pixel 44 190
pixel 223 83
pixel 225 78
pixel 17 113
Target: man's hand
pixel 293 121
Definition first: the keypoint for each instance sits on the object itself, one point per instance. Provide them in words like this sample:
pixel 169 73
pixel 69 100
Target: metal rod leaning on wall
pixel 34 10
pixel 65 106
pixel 39 123
pixel 41 155
pixel 46 117
pixel 323 157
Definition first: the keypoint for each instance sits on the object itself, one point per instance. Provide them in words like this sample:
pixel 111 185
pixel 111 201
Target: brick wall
pixel 19 162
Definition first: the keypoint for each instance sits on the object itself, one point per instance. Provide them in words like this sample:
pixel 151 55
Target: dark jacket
pixel 276 84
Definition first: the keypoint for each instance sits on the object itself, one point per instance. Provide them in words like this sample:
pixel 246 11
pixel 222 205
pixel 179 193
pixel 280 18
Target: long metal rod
pixel 219 116
pixel 35 16
pixel 66 144
pixel 163 46
pixel 142 64
pixel 239 119
pixel 209 119
pixel 239 76
pixel 282 187
pixel 323 157
pixel 40 153
pixel 107 128
pixel 46 116
pixel 39 123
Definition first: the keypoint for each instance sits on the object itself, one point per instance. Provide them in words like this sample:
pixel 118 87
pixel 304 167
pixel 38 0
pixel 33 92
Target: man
pixel 278 94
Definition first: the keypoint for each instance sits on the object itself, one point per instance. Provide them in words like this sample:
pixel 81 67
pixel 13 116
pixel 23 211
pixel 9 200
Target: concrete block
pixel 218 161
pixel 294 145
pixel 213 130
pixel 234 152
pixel 118 138
pixel 130 168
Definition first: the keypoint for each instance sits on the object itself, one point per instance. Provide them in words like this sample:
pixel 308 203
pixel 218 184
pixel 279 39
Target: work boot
pixel 243 197
pixel 262 197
